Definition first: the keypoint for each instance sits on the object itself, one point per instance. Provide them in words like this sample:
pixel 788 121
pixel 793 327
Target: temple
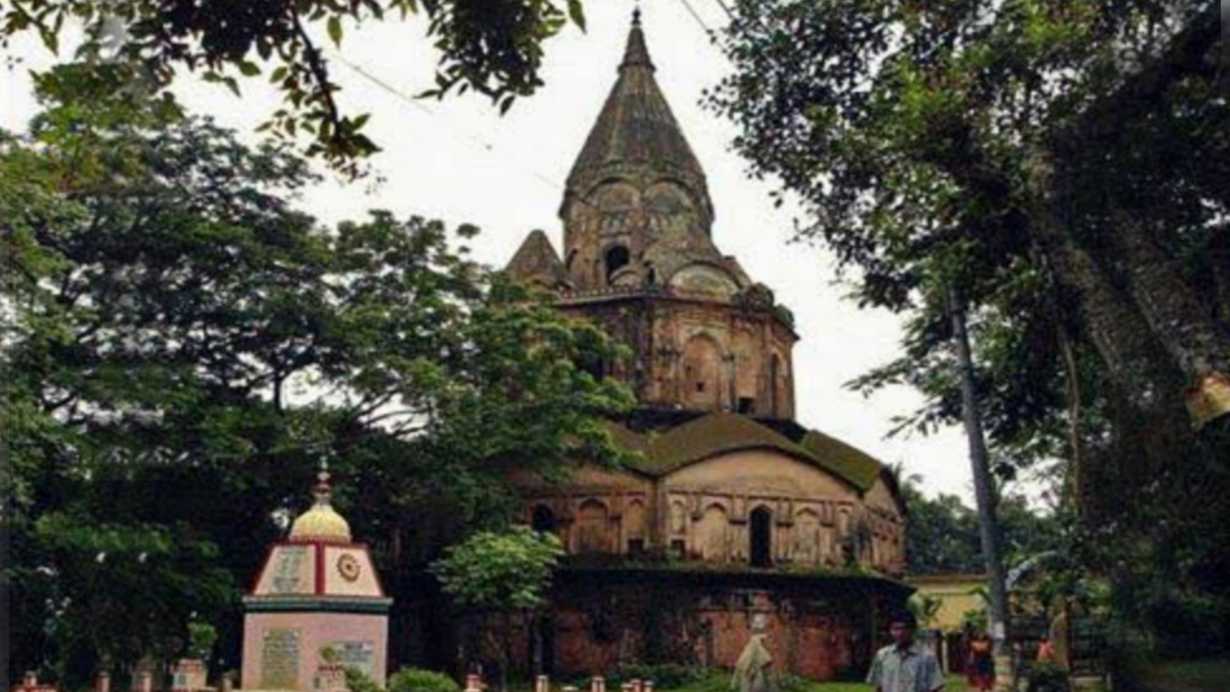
pixel 731 508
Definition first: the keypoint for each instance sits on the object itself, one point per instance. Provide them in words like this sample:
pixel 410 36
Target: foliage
pixel 201 639
pixel 502 574
pixel 358 681
pixel 925 607
pixel 508 570
pixel 1047 677
pixel 418 680
pixel 1050 169
pixel 942 532
pixel 494 48
pixel 183 346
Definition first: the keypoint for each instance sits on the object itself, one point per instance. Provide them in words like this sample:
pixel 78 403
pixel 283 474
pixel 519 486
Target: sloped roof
pixel 536 258
pixel 850 463
pixel 718 433
pixel 635 125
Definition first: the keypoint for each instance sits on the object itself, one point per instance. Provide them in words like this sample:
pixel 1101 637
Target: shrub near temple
pixel 419 680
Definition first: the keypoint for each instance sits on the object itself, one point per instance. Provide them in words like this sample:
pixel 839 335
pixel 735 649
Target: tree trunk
pixel 988 527
pixel 1135 360
pixel 1181 322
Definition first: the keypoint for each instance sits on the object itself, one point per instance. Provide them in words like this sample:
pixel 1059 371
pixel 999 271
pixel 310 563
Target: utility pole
pixel 987 524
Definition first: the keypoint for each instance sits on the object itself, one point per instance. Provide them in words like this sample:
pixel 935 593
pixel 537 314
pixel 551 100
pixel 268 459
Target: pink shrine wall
pixel 272 634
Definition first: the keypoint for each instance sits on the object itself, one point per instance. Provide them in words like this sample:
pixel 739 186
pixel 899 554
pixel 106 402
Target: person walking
pixel 905 666
pixel 981 667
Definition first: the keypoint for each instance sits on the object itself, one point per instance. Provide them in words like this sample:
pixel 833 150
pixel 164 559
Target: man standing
pixel 904 666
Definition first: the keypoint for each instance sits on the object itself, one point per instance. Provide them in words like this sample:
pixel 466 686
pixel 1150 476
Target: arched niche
pixel 747 367
pixel 760 537
pixel 542 519
pixel 713 531
pixel 592 527
pixel 669 208
pixel 615 258
pixel 613 204
pixel 702 358
pixel 806 537
pixel 635 526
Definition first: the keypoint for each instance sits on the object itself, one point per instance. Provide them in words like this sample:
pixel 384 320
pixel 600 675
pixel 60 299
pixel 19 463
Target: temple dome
pixel 321 522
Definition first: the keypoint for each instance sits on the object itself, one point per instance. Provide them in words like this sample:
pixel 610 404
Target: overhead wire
pixel 470 137
pixel 701 22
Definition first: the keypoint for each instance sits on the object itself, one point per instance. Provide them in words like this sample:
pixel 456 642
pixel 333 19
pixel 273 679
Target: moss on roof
pixel 850 463
pixel 719 433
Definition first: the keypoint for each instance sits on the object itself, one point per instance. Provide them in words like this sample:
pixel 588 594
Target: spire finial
pixel 322 490
pixel 636 15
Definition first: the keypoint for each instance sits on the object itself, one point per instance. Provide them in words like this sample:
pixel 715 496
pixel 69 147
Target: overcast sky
pixel 459 161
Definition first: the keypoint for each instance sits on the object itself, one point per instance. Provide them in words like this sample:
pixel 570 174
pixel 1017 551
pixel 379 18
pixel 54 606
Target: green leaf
pixel 249 69
pixel 335 30
pixel 577 13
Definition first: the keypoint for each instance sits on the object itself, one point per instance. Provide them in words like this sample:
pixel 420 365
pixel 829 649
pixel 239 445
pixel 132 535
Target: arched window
pixel 761 534
pixel 543 520
pixel 616 258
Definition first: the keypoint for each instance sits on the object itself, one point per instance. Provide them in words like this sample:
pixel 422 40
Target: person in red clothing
pixel 1046 650
pixel 980 669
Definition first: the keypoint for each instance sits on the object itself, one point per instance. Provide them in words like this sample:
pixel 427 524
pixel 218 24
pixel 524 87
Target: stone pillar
pixel 597 684
pixel 647 686
pixel 474 683
pixel 225 683
pixel 542 684
pixel 102 682
pixel 30 679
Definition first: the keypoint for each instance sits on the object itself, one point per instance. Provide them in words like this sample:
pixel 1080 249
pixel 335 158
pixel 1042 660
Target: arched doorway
pixel 616 258
pixel 761 530
pixel 543 520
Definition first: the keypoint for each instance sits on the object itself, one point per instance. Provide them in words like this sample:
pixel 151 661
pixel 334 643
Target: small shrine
pixel 317 605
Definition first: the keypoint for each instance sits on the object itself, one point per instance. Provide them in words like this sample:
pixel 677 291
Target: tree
pixel 182 346
pixel 963 129
pixel 494 48
pixel 504 575
pixel 1063 168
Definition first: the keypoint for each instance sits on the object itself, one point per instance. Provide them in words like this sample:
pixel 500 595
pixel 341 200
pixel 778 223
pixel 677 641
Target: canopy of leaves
pixel 508 570
pixel 493 47
pixel 183 346
pixel 1059 168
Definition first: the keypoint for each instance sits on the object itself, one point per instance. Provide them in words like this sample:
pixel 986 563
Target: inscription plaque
pixel 280 659
pixel 289 569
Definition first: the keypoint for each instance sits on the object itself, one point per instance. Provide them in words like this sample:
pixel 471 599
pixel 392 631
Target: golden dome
pixel 321 522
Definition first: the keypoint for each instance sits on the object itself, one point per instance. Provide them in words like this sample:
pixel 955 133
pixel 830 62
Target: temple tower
pixel 640 260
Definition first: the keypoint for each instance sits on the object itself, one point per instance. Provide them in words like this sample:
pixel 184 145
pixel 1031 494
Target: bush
pixel 1048 677
pixel 419 680
pixel 358 681
pixel 1175 619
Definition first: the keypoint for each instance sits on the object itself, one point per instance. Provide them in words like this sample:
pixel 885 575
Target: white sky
pixel 458 160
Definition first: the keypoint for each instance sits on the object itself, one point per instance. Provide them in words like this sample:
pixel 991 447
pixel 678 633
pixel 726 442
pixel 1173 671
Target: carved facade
pixel 725 482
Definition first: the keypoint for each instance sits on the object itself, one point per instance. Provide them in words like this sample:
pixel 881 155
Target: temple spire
pixel 636 53
pixel 636 137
